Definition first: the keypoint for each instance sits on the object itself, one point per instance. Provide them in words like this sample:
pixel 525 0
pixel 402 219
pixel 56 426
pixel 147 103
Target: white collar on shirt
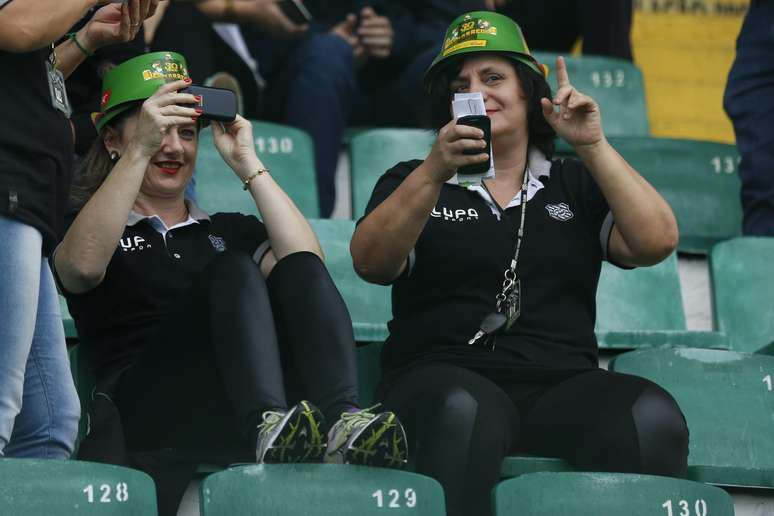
pixel 537 166
pixel 195 214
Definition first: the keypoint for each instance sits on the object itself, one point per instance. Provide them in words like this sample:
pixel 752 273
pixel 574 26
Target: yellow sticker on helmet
pixel 465 44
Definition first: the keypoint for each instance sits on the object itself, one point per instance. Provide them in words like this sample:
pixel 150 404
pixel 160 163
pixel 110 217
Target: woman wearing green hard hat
pixel 492 348
pixel 171 303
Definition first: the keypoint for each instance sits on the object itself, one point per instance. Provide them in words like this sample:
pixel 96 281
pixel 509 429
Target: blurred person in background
pixel 749 102
pixel 555 25
pixel 39 407
pixel 356 62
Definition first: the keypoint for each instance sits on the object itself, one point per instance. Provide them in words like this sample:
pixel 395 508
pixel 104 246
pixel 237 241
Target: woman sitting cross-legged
pixel 209 330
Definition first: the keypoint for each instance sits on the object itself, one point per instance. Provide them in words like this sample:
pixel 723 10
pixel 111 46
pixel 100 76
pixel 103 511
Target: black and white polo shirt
pixel 456 270
pixel 151 268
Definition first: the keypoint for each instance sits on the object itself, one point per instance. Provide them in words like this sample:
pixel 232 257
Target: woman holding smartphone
pixel 492 348
pixel 208 332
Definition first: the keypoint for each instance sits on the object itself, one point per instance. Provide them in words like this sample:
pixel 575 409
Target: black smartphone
pixel 483 123
pixel 296 11
pixel 217 103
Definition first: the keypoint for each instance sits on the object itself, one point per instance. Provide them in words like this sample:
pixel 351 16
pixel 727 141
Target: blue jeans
pixel 39 408
pixel 749 102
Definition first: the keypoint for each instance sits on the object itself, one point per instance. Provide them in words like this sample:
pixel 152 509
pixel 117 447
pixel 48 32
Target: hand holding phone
pixel 484 123
pixel 217 103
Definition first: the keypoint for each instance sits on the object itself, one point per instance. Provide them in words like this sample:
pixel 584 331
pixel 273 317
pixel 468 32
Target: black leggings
pixel 235 346
pixel 461 426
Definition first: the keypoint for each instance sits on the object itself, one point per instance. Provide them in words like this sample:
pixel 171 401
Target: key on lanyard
pixel 486 334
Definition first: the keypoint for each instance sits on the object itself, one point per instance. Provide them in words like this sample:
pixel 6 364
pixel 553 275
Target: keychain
pixel 56 85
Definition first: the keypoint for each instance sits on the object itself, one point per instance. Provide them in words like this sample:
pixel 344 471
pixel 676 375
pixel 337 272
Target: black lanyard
pixel 509 298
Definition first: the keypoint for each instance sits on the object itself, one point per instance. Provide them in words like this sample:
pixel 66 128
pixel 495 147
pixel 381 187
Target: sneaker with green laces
pixel 368 439
pixel 291 436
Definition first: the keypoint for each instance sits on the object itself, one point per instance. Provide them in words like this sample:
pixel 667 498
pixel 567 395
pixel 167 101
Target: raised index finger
pixel 562 79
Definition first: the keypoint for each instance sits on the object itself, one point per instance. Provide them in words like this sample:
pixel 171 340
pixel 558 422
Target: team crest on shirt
pixel 560 212
pixel 218 243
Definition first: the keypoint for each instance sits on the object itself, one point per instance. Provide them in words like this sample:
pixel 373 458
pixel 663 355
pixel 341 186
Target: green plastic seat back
pixel 595 494
pixel 369 305
pixel 616 85
pixel 84 381
pixel 728 402
pixel 286 151
pixel 67 319
pixel 742 274
pixel 374 152
pixel 641 299
pixel 700 182
pixel 70 487
pixel 369 372
pixel 319 489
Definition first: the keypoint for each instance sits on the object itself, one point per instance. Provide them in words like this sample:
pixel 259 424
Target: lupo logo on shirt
pixel 135 243
pixel 454 215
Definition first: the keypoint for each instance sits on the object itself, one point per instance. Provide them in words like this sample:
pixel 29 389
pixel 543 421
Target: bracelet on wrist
pixel 73 37
pixel 250 178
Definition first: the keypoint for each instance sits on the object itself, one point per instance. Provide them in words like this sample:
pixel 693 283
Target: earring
pixel 114 155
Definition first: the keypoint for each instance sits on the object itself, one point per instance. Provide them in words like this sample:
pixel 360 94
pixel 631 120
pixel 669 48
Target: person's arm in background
pixel 111 24
pixel 27 25
pixel 289 232
pixel 265 14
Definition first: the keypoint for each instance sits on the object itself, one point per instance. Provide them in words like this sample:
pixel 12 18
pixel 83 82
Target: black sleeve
pixel 243 233
pixel 594 206
pixel 387 184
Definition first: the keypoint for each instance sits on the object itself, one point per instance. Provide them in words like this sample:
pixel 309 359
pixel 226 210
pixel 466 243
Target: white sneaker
pixel 291 436
pixel 367 439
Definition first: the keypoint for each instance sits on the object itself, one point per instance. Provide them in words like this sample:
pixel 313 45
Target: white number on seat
pixel 394 498
pixel 700 508
pixel 767 381
pixel 273 145
pixel 725 164
pixel 122 493
pixel 608 78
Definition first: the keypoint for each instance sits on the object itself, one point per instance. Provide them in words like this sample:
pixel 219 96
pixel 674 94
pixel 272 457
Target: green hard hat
pixel 137 79
pixel 482 31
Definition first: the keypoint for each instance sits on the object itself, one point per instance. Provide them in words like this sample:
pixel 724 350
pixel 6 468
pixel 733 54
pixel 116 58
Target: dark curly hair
pixel 535 87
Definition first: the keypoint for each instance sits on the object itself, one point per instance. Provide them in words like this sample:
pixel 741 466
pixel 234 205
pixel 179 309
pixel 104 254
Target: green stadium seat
pixel 286 151
pixel 643 307
pixel 616 85
pixel 31 487
pixel 698 179
pixel 84 384
pixel 728 402
pixel 743 291
pixel 320 489
pixel 595 494
pixel 373 152
pixel 369 305
pixel 67 319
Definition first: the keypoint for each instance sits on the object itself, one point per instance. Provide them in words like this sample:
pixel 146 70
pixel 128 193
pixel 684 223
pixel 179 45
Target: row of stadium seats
pixel 698 179
pixel 58 488
pixel 726 396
